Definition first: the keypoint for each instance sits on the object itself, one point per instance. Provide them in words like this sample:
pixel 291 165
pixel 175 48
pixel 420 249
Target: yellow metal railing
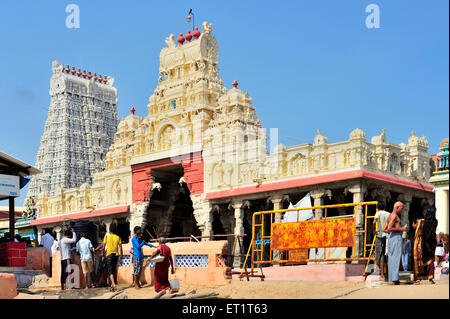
pixel 258 228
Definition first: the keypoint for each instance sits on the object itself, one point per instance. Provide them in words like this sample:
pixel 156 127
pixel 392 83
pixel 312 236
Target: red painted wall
pixel 193 173
pixel 13 254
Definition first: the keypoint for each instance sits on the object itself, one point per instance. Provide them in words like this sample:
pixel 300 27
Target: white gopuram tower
pixel 79 130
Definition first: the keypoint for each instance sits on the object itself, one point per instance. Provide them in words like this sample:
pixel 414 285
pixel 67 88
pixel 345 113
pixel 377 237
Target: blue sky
pixel 307 65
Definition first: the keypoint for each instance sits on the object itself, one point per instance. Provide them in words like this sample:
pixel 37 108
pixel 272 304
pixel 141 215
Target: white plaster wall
pixel 442 210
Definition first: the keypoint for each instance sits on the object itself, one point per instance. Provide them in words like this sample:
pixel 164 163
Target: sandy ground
pixel 272 290
pixel 263 290
pixel 423 291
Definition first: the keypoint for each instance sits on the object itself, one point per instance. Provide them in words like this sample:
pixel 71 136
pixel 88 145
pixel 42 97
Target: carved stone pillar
pixel 58 230
pixel 40 234
pixel 406 199
pixel 202 214
pixel 318 201
pixel 206 228
pixel 358 190
pixel 204 218
pixel 381 195
pixel 138 215
pixel 108 222
pixel 277 201
pixel 238 230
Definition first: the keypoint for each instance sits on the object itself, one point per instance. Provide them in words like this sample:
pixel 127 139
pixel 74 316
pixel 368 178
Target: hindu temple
pixel 198 163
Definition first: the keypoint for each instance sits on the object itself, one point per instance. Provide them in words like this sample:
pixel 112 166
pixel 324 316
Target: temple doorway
pixel 217 225
pixel 170 212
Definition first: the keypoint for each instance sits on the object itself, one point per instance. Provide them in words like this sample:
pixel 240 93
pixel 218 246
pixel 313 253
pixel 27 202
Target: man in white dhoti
pixel 392 227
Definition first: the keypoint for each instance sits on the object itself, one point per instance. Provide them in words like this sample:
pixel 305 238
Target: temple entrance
pixel 217 225
pixel 123 230
pixel 170 212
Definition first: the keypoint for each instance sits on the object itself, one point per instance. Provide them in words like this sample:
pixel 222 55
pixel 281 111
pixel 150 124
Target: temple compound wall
pixel 198 164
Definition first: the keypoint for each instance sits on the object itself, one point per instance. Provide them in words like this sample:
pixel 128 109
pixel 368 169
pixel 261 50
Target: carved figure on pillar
pixel 404 219
pixel 202 214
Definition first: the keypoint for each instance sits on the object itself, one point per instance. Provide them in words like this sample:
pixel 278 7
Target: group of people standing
pixel 83 247
pixel 109 252
pixel 393 246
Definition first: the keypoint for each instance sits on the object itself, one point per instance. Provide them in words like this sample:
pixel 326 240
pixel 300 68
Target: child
pixel 406 249
pixel 440 251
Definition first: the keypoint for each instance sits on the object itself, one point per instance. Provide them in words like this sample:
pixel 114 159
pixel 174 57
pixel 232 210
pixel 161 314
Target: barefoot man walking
pixel 395 242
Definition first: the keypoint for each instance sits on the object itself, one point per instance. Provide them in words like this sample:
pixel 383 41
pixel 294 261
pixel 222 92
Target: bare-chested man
pixel 393 227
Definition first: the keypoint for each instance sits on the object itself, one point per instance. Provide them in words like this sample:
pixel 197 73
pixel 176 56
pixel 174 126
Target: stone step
pixel 22 271
pixel 12 269
pixel 409 275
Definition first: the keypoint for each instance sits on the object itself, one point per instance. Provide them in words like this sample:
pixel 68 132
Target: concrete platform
pixel 323 272
pixel 8 286
pixel 24 277
pixel 408 276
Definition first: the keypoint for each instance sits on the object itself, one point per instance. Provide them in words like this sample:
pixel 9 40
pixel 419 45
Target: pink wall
pixel 38 258
pixel 320 272
pixel 214 274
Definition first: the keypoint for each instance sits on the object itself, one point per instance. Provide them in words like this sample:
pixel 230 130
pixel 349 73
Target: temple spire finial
pixel 181 39
pixel 196 33
pixel 188 36
pixel 235 84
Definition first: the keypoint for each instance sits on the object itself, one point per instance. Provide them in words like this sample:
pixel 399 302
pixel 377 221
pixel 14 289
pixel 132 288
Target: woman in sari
pixel 162 268
pixel 425 246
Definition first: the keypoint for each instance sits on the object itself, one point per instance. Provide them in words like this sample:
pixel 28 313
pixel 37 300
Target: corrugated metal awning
pixel 26 169
pixel 81 215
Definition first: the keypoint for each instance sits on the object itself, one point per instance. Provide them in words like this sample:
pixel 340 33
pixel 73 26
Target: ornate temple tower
pixel 79 130
pixel 187 93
